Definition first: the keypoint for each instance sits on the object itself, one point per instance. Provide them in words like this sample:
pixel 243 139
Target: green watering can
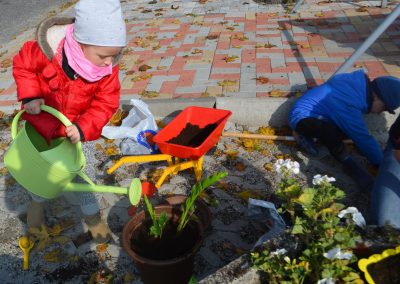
pixel 47 170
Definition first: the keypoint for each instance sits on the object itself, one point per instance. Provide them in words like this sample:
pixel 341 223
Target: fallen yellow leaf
pixel 268 167
pixel 227 83
pixel 231 58
pixel 110 151
pixel 141 77
pixel 275 93
pixel 248 194
pixel 362 9
pixel 240 37
pixel 149 94
pixel 101 248
pixel 197 51
pixel 231 154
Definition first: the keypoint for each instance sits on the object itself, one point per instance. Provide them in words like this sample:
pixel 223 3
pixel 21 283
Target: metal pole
pixel 296 6
pixel 370 40
pixel 383 3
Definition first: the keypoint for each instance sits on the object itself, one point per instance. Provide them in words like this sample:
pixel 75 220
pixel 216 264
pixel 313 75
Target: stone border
pixel 251 112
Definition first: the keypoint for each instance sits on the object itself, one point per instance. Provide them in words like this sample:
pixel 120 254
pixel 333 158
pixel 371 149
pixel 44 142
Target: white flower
pixel 318 179
pixel 293 166
pixel 288 165
pixel 278 165
pixel 356 216
pixel 279 252
pixel 336 253
pixel 326 281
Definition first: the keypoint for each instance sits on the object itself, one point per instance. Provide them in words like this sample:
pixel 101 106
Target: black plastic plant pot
pixel 169 259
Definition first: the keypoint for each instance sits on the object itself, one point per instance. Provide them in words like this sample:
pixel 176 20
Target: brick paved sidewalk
pixel 237 48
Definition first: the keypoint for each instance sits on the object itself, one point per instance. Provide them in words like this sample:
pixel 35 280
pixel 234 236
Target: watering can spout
pixel 134 191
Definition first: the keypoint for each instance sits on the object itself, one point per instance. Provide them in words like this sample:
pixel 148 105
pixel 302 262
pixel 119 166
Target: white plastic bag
pixel 133 130
pixel 139 118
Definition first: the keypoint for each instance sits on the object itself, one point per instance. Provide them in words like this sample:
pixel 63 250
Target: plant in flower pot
pixel 164 239
pixel 322 230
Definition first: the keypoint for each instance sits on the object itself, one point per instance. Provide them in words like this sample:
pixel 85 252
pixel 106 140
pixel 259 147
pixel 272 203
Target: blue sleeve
pixel 355 128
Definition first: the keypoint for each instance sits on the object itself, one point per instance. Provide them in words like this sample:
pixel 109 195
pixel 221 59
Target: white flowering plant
pixel 325 230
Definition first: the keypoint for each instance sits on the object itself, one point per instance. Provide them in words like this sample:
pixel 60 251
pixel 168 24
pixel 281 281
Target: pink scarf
pixel 78 62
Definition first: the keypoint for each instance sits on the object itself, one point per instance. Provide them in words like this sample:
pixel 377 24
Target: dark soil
pixel 192 135
pixel 386 271
pixel 170 245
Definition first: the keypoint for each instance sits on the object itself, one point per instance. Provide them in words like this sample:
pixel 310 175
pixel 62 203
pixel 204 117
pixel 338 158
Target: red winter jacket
pixel 89 105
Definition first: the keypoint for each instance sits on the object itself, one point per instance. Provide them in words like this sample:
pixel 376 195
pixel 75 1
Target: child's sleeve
pixel 105 103
pixel 27 65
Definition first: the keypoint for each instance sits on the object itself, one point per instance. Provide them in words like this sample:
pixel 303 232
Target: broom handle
pixel 265 137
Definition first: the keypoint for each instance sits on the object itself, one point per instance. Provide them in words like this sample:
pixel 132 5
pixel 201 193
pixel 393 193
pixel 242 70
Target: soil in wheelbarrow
pixel 193 135
pixel 386 271
pixel 170 245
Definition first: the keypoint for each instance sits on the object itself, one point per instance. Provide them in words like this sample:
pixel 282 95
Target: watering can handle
pixel 53 111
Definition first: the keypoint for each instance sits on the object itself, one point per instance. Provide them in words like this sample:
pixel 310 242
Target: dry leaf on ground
pixel 225 83
pixel 101 248
pixel 262 80
pixel 144 67
pixel 240 167
pixel 149 94
pixel 111 151
pixel 276 93
pixel 141 77
pixel 362 9
pixel 240 37
pixel 211 37
pixel 231 58
pixel 197 51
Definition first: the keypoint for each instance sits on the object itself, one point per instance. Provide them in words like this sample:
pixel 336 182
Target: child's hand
pixel 33 107
pixel 73 133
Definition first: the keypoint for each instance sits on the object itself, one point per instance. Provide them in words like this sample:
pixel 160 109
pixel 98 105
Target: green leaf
pixel 307 197
pixel 193 280
pixel 197 189
pixel 298 226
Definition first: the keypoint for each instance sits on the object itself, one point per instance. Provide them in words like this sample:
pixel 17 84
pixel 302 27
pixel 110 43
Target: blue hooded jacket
pixel 342 100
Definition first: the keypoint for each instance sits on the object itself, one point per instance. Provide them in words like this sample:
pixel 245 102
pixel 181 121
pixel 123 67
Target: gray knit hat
pixel 99 22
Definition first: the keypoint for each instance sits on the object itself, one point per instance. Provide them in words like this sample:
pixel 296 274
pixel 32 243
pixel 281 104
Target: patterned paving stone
pixel 192 46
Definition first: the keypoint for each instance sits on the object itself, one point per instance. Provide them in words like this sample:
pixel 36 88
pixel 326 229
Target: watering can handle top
pixel 53 111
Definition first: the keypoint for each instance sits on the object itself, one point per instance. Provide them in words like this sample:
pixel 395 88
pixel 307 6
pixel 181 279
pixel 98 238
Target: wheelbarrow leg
pixel 174 169
pixel 140 159
pixel 198 168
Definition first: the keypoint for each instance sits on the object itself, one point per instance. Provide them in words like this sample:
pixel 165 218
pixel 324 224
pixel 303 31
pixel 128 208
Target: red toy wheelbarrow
pixel 209 124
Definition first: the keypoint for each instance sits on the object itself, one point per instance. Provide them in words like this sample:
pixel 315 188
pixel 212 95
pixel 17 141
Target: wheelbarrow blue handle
pixel 53 111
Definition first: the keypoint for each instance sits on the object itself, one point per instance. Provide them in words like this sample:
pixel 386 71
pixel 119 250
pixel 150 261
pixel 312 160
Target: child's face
pixel 378 105
pixel 100 55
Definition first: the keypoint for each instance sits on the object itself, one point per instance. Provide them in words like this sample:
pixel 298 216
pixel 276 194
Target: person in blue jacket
pixel 385 201
pixel 335 109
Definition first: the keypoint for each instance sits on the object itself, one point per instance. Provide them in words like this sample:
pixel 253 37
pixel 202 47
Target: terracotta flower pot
pixel 169 260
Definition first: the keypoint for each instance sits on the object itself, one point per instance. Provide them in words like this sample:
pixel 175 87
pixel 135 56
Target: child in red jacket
pixel 72 67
